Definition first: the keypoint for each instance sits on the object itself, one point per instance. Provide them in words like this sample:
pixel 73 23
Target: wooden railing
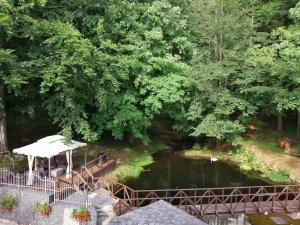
pixel 212 200
pixel 86 173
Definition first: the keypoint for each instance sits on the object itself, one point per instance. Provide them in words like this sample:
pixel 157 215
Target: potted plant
pixel 81 215
pixel 43 208
pixel 8 202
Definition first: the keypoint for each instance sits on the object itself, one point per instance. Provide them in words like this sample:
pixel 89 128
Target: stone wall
pixel 25 213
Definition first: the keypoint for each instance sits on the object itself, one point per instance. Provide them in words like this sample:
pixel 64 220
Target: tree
pixel 111 71
pixel 221 30
pixel 279 63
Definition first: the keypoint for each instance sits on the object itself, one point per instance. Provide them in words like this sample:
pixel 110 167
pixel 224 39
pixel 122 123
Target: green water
pixel 175 171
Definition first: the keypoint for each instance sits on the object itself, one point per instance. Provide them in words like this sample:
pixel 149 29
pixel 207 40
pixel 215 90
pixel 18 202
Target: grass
pixel 278 176
pixel 200 153
pixel 265 137
pixel 133 164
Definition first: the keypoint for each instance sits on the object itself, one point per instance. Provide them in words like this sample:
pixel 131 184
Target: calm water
pixel 174 171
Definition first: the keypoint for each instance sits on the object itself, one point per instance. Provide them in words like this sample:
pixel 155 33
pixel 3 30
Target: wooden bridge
pixel 197 202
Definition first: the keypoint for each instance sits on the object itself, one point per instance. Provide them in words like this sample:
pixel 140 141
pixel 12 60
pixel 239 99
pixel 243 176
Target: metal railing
pixel 65 193
pixel 69 194
pixel 202 201
pixel 19 180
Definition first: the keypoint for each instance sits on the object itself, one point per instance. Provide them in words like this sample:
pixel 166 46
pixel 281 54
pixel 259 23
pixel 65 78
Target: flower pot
pixel 44 214
pixel 6 209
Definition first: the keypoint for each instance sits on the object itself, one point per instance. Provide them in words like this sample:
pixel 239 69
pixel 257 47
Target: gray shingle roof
pixel 158 213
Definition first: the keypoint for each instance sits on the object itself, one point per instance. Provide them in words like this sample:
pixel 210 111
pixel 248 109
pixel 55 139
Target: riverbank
pixel 131 158
pixel 249 161
pixel 259 153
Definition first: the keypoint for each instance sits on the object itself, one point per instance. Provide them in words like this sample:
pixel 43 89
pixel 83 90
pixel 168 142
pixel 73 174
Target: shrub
pixel 81 214
pixel 9 202
pixel 43 208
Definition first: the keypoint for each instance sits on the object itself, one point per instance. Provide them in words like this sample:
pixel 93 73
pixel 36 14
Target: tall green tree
pixel 222 31
pixel 108 67
pixel 278 68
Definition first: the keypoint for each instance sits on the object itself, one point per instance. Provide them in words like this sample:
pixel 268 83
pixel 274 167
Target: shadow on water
pixel 170 171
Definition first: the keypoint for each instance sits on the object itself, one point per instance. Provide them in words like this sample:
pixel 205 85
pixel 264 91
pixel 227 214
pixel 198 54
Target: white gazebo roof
pixel 48 147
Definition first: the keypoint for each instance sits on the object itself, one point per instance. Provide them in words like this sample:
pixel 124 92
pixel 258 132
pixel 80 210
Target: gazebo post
pixel 49 167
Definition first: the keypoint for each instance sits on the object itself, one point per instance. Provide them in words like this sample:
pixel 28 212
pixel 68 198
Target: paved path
pixel 7 222
pixel 103 202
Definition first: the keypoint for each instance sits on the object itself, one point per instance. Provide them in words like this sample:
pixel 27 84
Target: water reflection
pixel 173 171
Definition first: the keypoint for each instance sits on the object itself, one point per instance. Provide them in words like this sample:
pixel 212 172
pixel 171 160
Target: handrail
pixel 108 155
pixel 87 171
pixel 80 177
pixel 220 188
pixel 198 201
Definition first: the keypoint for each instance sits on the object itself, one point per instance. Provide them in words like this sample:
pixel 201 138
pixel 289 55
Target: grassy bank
pixel 247 161
pixel 259 152
pixel 131 158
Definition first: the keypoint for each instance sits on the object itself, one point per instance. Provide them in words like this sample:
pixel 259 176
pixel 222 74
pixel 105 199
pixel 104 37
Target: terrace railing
pixel 66 193
pixel 19 180
pixel 282 198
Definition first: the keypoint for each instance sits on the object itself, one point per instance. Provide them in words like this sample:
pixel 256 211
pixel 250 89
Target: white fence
pixel 19 180
pixel 66 193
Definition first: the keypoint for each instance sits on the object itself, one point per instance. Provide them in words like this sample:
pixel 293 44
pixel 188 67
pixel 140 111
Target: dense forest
pixel 108 66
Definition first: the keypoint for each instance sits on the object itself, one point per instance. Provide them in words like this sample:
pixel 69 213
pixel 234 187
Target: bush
pixel 81 214
pixel 43 208
pixel 9 202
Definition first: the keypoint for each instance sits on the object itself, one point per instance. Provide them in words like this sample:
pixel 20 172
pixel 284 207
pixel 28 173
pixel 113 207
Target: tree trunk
pixel 279 123
pixel 3 131
pixel 298 126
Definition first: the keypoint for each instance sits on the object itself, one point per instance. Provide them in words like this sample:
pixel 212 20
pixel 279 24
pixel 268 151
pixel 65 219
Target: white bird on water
pixel 213 159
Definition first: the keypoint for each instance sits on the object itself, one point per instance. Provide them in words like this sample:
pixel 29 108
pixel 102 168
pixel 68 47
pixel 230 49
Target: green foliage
pixel 279 177
pixel 278 66
pixel 133 164
pixel 92 76
pixel 101 67
pixel 43 207
pixel 248 162
pixel 200 153
pixel 9 202
pixel 81 214
pixel 222 32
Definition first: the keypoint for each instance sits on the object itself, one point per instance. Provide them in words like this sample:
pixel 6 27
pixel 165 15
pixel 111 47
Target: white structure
pixel 47 148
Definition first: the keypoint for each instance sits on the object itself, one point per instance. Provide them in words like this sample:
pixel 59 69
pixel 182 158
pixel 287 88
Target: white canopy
pixel 48 147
